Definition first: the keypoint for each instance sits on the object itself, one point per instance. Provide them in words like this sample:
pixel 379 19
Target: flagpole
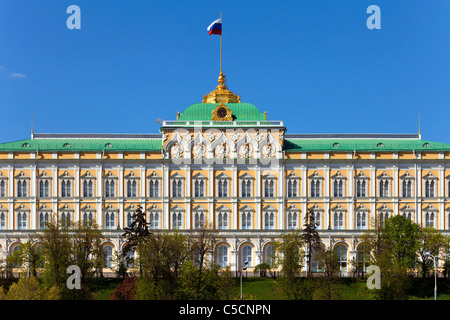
pixel 221 44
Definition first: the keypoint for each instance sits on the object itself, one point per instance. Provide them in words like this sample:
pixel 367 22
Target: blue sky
pixel 313 64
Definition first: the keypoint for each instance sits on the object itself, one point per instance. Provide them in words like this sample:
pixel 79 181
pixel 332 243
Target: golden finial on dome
pixel 221 94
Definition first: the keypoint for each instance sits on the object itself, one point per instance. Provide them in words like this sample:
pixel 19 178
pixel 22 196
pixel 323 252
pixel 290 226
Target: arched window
pixel 108 256
pixel 246 256
pixel 341 253
pixel 269 255
pixel 222 256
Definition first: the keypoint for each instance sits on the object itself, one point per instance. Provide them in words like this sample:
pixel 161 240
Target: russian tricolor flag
pixel 215 27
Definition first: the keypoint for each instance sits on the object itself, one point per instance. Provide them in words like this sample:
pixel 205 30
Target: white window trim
pixel 132 177
pixel 223 178
pixel 22 177
pixel 223 210
pixel 178 210
pixel 66 177
pixel 317 179
pixel 178 178
pixel 384 177
pixel 152 211
pixel 337 178
pixel 246 210
pixel 247 178
pixel 110 210
pixel 109 177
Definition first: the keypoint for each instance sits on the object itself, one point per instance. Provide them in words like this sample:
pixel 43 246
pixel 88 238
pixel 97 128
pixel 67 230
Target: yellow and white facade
pixel 223 165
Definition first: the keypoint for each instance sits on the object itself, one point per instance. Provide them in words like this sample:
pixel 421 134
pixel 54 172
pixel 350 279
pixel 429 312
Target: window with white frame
pixel 22 185
pixel 292 216
pixel 177 183
pixel 88 183
pixel 3 185
pixel 246 185
pixel 199 217
pixel 154 216
pixel 3 215
pixel 66 185
pixel 384 213
pixel 199 181
pixel 407 185
pixel 361 217
pixel 43 216
pixel 341 252
pixel 247 255
pixel 269 255
pixel 88 215
pixel 110 183
pixel 384 184
pixel 108 256
pixel 222 185
pixel 110 216
pixel 269 183
pixel 338 185
pixel 130 214
pixel 246 218
pixel 22 217
pixel 222 188
pixel 338 217
pixel 66 216
pixel 362 182
pixel 429 216
pixel 292 185
pixel 316 214
pixel 430 181
pixel 44 188
pixel 223 214
pixel 407 212
pixel 132 185
pixel 315 181
pixel 154 185
pixel 222 256
pixel 177 217
pixel 269 215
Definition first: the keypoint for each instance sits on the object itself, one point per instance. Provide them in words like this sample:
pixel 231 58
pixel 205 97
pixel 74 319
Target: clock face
pixel 222 112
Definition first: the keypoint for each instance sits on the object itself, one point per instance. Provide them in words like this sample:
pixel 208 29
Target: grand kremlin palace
pixel 223 164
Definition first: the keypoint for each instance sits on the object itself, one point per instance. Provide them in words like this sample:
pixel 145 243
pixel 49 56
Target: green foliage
pixel 402 238
pixel 30 289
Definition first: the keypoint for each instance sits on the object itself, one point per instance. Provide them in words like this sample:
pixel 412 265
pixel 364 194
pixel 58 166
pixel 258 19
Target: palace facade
pixel 224 165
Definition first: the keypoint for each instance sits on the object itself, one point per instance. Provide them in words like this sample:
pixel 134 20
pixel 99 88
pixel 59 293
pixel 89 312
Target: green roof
pixel 369 145
pixel 240 111
pixel 83 145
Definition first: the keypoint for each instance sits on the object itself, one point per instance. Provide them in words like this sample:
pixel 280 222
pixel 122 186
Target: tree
pixel 291 260
pixel 311 238
pixel 30 289
pixel 87 251
pixel 57 250
pixel 137 234
pixel 27 255
pixel 431 241
pixel 328 261
pixel 162 257
pixel 402 238
pixel 203 242
pixel 394 247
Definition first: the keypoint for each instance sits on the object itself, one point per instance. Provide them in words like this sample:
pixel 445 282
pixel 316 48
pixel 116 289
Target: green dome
pixel 240 112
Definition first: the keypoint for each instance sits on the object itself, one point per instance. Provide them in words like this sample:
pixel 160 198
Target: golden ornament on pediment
pixel 221 94
pixel 222 113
